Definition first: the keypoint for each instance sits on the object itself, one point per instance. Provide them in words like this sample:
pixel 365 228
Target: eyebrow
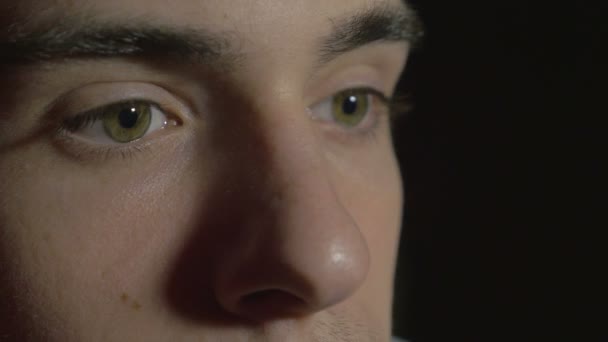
pixel 106 40
pixel 111 40
pixel 379 23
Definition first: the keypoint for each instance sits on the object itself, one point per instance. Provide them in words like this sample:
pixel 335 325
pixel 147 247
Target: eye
pixel 349 108
pixel 118 123
pixel 125 123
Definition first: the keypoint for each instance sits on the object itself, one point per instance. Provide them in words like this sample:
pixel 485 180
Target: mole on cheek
pixel 128 301
pixel 136 305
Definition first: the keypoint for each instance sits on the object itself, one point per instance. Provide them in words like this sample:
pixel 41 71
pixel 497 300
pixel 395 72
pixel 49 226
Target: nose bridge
pixel 274 141
pixel 300 250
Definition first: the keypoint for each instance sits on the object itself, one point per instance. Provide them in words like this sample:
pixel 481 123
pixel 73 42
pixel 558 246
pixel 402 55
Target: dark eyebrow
pixel 379 23
pixel 108 40
pixel 93 40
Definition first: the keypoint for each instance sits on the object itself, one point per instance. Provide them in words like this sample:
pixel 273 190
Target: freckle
pixel 136 305
pixel 124 297
pixel 46 237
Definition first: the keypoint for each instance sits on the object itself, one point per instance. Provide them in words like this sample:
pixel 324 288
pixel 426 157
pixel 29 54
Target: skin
pixel 253 218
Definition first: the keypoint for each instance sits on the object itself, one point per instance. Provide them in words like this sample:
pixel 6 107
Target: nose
pixel 294 248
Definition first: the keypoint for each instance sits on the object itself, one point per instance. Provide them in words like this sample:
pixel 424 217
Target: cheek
pixel 78 235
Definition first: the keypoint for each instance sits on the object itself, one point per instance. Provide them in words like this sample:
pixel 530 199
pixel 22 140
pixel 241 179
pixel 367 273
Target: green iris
pixel 125 122
pixel 350 107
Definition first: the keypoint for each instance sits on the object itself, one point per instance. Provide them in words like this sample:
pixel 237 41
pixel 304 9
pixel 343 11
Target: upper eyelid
pixel 96 96
pixel 378 94
pixel 361 77
pixel 84 119
pixel 379 64
pixel 385 99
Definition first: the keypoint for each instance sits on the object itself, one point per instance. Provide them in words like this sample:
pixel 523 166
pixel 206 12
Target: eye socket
pixel 118 123
pixel 349 108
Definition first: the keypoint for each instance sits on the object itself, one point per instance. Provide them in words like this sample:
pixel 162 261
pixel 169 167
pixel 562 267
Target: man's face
pixel 198 170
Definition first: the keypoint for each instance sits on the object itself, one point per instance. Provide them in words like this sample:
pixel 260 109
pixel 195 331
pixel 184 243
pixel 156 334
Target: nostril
pixel 270 303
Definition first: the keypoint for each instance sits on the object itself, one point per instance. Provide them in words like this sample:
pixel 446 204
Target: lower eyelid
pixel 74 147
pixel 97 95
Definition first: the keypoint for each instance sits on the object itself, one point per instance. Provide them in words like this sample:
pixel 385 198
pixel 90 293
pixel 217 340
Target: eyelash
pixel 396 105
pixel 399 106
pixel 86 119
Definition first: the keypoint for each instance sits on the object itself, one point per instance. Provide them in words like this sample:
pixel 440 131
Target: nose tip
pixel 281 286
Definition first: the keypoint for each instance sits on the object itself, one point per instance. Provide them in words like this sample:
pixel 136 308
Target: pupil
pixel 128 117
pixel 350 105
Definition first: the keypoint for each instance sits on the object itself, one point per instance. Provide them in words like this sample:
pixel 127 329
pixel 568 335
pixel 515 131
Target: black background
pixel 501 157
